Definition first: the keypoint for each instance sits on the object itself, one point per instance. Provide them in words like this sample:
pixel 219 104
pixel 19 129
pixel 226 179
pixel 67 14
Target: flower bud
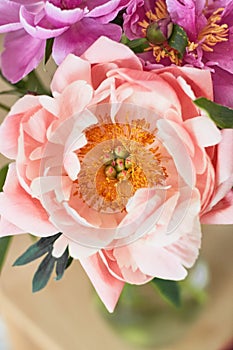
pixel 120 164
pixel 110 172
pixel 121 152
pixel 123 175
pixel 159 31
pixel 108 158
pixel 128 162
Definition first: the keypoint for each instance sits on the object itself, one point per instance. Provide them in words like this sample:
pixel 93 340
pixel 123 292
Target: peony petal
pixel 222 213
pixel 198 129
pixel 158 262
pixel 71 69
pixel 175 146
pixel 8 229
pixel 9 134
pixel 17 207
pixel 80 36
pixel 28 50
pixel 9 16
pixel 72 165
pixel 59 16
pixel 59 246
pixel 107 287
pixel 38 31
pixel 105 50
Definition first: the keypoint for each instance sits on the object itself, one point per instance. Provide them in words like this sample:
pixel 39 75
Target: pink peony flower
pixel 121 162
pixel 74 25
pixel 209 27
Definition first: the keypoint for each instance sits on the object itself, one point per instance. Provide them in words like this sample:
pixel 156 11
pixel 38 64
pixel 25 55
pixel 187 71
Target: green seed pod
pixel 123 175
pixel 120 164
pixel 128 162
pixel 110 172
pixel 121 152
pixel 108 158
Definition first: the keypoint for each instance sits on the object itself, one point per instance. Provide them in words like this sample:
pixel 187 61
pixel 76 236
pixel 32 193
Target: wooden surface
pixel 63 316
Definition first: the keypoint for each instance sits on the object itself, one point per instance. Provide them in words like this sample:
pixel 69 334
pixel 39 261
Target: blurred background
pixel 64 316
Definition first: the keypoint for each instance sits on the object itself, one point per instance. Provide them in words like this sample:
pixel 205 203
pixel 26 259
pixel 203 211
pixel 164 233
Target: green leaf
pixel 169 290
pixel 3 173
pixel 43 273
pixel 137 45
pixel 4 246
pixel 36 250
pixel 32 253
pixel 4 107
pixel 221 115
pixel 48 50
pixel 61 265
pixel 178 40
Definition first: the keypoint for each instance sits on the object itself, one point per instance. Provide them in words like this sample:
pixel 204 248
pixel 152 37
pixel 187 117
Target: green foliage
pixel 3 173
pixel 221 115
pixel 137 45
pixel 169 290
pixel 178 40
pixel 48 50
pixel 46 267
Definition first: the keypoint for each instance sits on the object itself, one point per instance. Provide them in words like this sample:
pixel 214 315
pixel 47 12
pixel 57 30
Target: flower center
pixel 66 4
pixel 212 33
pixel 117 160
pixel 157 28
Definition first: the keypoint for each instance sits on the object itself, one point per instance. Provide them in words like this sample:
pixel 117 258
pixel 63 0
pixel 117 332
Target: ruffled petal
pixel 9 16
pixel 105 50
pixel 71 69
pixel 21 210
pixel 56 15
pixel 39 31
pixel 108 287
pixel 29 52
pixel 80 36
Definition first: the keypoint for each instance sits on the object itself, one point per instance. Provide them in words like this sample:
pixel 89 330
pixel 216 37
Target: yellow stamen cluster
pixel 164 50
pixel 212 33
pixel 106 193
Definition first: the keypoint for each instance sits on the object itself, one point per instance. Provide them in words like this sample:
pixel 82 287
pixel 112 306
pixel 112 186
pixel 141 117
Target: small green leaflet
pixel 178 40
pixel 169 290
pixel 43 273
pixel 137 45
pixel 4 241
pixel 221 115
pixel 48 50
pixel 3 173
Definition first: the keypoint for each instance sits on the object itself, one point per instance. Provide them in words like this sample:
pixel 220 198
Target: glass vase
pixel 145 319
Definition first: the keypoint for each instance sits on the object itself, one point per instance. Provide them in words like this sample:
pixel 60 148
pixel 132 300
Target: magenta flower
pixel 210 41
pixel 74 25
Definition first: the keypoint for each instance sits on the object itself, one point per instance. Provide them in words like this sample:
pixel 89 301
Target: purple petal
pixel 224 61
pixel 80 36
pixel 43 30
pixel 223 87
pixel 106 11
pixel 9 16
pixel 28 2
pixel 65 17
pixel 186 15
pixel 135 13
pixel 21 55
